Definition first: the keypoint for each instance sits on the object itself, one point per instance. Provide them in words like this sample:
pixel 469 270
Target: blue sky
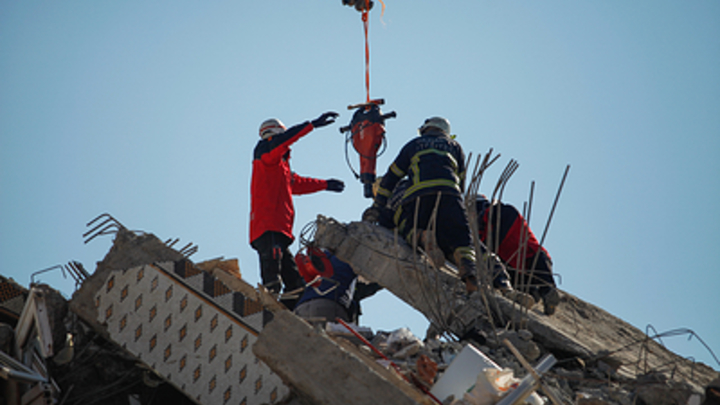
pixel 149 111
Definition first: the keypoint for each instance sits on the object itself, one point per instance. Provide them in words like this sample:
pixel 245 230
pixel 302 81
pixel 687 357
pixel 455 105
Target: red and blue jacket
pixel 508 229
pixel 343 286
pixel 273 184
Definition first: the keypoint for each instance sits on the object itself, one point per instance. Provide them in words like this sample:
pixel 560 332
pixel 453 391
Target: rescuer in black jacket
pixel 434 163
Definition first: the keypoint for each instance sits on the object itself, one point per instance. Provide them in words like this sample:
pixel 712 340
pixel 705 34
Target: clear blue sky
pixel 149 111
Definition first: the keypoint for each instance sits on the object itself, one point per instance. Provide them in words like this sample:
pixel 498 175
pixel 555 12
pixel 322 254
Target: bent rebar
pixel 57 266
pixel 102 228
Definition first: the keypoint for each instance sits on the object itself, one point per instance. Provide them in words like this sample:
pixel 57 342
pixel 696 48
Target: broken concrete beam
pixel 128 250
pixel 188 326
pixel 326 371
pixel 379 256
pixel 192 331
pixel 579 326
pixel 576 329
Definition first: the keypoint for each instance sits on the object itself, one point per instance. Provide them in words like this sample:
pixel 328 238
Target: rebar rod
pixel 57 266
pixel 531 381
pixel 552 211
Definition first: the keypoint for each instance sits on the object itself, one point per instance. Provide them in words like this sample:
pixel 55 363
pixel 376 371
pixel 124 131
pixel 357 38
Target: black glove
pixel 325 119
pixel 335 185
pixel 371 214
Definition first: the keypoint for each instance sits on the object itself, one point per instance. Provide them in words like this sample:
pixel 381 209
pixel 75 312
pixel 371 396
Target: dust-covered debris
pixel 149 326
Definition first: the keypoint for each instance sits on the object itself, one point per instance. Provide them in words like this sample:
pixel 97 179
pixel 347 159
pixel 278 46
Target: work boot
pixel 471 284
pixel 501 279
pixel 467 272
pixel 551 300
pixel 523 299
pixel 502 284
pixel 430 246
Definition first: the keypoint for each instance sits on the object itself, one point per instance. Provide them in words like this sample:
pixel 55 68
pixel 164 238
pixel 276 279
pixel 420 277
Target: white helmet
pixel 270 127
pixel 436 122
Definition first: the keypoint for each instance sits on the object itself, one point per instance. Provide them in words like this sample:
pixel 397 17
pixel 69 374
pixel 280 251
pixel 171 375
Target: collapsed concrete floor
pixel 149 326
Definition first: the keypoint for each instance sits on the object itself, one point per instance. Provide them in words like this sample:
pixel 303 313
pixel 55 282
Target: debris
pixel 400 339
pixel 427 369
pixel 462 372
pixel 491 385
pixel 179 321
pixel 578 329
pixel 11 369
pixel 12 300
pixel 657 389
pixel 338 329
pixel 474 378
pixel 330 372
pixel 149 326
pixel 522 342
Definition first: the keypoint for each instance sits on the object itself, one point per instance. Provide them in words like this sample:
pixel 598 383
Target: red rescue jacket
pixel 272 185
pixel 513 229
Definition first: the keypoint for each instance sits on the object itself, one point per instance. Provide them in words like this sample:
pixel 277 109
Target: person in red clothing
pixel 510 236
pixel 271 212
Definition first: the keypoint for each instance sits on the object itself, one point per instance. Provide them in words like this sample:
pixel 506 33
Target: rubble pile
pixel 573 380
pixel 149 326
pixel 601 359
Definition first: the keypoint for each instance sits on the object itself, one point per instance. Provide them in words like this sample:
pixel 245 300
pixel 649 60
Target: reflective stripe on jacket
pixel 432 163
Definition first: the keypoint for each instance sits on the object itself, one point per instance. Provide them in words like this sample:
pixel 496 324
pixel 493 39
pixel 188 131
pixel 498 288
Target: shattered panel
pixel 12 300
pixel 191 329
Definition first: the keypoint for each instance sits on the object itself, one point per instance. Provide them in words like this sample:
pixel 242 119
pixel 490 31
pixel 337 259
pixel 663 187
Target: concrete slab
pixel 576 329
pixel 184 323
pixel 327 371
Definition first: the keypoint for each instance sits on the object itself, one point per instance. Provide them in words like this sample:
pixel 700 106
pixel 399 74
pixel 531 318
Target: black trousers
pixel 540 277
pixel 451 227
pixel 277 264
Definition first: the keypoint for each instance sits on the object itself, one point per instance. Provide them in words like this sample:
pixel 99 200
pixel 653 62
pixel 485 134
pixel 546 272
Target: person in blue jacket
pixel 434 166
pixel 333 289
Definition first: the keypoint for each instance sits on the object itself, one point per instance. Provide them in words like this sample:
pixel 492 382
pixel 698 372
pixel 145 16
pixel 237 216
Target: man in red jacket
pixel 272 213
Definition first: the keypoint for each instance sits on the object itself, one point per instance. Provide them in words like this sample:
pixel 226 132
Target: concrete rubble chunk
pixel 192 329
pixel 327 371
pixel 128 250
pixel 577 329
pixel 150 326
pixel 12 300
